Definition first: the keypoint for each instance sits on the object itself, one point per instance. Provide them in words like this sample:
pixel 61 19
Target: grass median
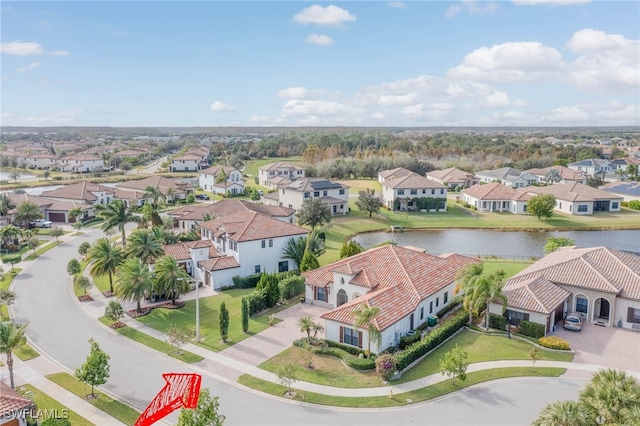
pixel 396 400
pixel 45 402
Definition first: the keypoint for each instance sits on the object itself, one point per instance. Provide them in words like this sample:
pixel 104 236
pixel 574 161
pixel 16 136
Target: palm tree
pixel 75 213
pixel 133 281
pixel 489 287
pixel 366 318
pixel 306 325
pixel 295 248
pixel 6 204
pixel 116 215
pixel 155 194
pixel 610 395
pixel 11 338
pixel 467 278
pixel 564 413
pixel 105 258
pixel 632 171
pixel 171 278
pixel 27 212
pixel 144 246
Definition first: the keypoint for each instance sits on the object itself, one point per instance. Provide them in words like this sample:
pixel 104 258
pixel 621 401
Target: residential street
pixel 59 328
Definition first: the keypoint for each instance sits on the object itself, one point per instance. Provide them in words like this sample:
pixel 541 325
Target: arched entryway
pixel 342 297
pixel 601 310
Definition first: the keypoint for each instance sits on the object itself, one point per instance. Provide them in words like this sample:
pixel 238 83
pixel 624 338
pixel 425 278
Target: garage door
pixel 57 217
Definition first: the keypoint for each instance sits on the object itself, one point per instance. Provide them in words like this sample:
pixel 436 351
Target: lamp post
pixel 192 280
pixel 509 327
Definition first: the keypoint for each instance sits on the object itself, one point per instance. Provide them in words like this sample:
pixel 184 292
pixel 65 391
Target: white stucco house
pixel 221 180
pixel 566 174
pixel 576 198
pixel 601 283
pixel 335 194
pixel 507 176
pixel 412 192
pixel 453 178
pixel 279 173
pixel 248 243
pixel 406 284
pixel 495 197
pixel 80 163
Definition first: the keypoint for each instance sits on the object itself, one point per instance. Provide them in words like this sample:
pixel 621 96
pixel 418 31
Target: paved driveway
pixel 607 346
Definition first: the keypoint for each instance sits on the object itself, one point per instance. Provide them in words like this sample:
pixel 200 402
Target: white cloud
pixel 219 106
pixel 28 48
pixel 321 39
pixel 397 4
pixel 396 99
pixel 329 15
pixel 62 118
pixel 29 67
pixel 472 7
pixel 319 112
pixel 58 53
pixel 300 93
pixel 549 2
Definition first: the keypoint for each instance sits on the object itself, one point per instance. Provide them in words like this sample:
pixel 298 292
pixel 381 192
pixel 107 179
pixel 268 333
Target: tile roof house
pixel 13 406
pixel 566 174
pixel 576 198
pixel 190 161
pixel 407 285
pixel 82 192
pixel 605 169
pixel 601 283
pixel 453 178
pixel 495 197
pixel 279 173
pixel 335 194
pixel 51 209
pixel 507 176
pixel 412 192
pixel 253 240
pixel 629 191
pixel 221 180
pixel 174 189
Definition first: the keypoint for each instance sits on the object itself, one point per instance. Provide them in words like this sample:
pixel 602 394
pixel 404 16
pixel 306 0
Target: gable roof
pixel 314 184
pixel 11 401
pixel 251 226
pixel 214 170
pixel 412 181
pixel 181 251
pixel 229 207
pixel 536 294
pixel 78 191
pixel 501 173
pixel 279 165
pixel 573 191
pixel 494 191
pixel 394 173
pixel 450 175
pixel 159 182
pixel 623 188
pixel 565 172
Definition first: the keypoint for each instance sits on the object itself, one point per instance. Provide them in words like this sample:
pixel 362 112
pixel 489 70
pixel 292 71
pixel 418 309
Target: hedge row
pixel 347 348
pixel 406 341
pixel 349 354
pixel 431 341
pixel 497 321
pixel 532 329
pixel 246 282
pixel 291 286
pixel 257 302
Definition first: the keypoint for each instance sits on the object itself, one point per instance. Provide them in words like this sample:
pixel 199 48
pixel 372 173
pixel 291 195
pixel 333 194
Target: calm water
pixel 7 176
pixel 499 243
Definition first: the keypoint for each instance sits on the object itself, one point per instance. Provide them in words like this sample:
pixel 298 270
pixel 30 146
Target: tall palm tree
pixel 306 325
pixel 104 258
pixel 116 215
pixel 295 247
pixel 75 213
pixel 632 171
pixel 155 194
pixel 467 278
pixel 6 204
pixel 133 281
pixel 489 288
pixel 564 413
pixel 11 338
pixel 144 246
pixel 171 278
pixel 27 212
pixel 610 395
pixel 366 318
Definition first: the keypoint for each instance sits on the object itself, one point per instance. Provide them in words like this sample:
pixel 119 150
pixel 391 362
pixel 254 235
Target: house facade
pixel 406 284
pixel 221 180
pixel 576 198
pixel 601 283
pixel 80 163
pixel 335 194
pixel 82 192
pixel 173 189
pixel 507 176
pixel 495 197
pixel 453 178
pixel 565 174
pixel 279 173
pixel 412 192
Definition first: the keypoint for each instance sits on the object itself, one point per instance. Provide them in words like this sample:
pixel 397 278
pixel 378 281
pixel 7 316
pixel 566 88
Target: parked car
pixel 202 197
pixel 573 321
pixel 41 223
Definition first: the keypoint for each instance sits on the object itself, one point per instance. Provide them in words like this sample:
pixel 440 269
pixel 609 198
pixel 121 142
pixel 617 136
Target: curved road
pixel 61 330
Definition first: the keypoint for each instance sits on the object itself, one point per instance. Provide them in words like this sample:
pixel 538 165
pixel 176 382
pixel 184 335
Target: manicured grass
pixel 155 344
pixel 406 398
pixel 5 283
pixel 355 186
pixel 327 370
pixel 45 402
pixel 43 250
pixel 480 347
pixel 251 168
pixel 510 268
pixel 26 352
pixel 24 250
pixel 163 319
pixel 117 409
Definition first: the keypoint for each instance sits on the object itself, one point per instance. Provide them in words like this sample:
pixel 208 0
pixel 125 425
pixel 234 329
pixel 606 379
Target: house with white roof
pixel 412 192
pixel 221 180
pixel 335 194
pixel 278 174
pixel 248 243
pixel 507 176
pixel 601 283
pixel 453 178
pixel 406 284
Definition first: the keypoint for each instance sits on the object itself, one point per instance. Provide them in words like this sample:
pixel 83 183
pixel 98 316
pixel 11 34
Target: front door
pixel 604 308
pixel 411 322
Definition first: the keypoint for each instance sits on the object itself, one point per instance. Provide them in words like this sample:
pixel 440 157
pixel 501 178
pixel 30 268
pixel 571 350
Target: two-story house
pixel 412 192
pixel 278 174
pixel 82 192
pixel 221 180
pixel 173 189
pixel 453 178
pixel 248 243
pixel 80 163
pixel 335 194
pixel 406 284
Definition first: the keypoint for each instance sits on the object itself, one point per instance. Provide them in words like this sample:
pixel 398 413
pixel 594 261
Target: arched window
pixel 342 297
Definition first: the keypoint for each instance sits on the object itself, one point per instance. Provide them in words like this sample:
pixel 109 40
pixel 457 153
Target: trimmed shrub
pixel 347 348
pixel 431 340
pixel 497 321
pixel 634 204
pixel 246 282
pixel 291 286
pixel 554 342
pixel 532 329
pixel 352 361
pixel 56 422
pixel 442 312
pixel 256 301
pixel 385 366
pixel 406 341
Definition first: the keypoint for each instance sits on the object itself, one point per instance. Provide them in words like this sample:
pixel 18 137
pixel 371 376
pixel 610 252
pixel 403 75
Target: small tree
pixel 288 375
pixel 314 212
pixel 32 243
pixel 84 248
pixel 224 322
pixel 306 354
pixel 386 366
pixel 535 355
pixel 81 282
pixel 454 364
pixel 12 259
pixel 368 201
pixel 306 325
pixel 6 298
pixel 73 267
pixel 95 370
pixel 309 262
pixel 245 315
pixel 541 205
pixel 46 174
pixel 177 337
pixel 269 285
pixel 206 413
pixel 350 248
pixel 554 243
pixel 56 232
pixel 113 311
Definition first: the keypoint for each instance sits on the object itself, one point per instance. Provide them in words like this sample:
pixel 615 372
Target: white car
pixel 42 223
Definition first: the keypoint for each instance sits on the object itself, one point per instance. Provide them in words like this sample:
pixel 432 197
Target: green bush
pixel 497 321
pixel 431 340
pixel 257 302
pixel 385 366
pixel 634 204
pixel 554 342
pixel 351 360
pixel 291 286
pixel 442 312
pixel 246 282
pixel 56 422
pixel 406 341
pixel 532 329
pixel 347 348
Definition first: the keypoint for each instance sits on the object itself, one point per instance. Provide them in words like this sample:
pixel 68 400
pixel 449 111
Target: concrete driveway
pixel 268 343
pixel 607 346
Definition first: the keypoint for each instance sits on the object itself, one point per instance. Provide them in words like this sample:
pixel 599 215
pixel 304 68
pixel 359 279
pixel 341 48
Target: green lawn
pixel 5 283
pixel 45 402
pixel 419 395
pixel 117 409
pixel 510 268
pixel 163 319
pixel 251 168
pixel 155 344
pixel 26 352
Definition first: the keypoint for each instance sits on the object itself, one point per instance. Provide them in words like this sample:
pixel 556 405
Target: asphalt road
pixel 59 328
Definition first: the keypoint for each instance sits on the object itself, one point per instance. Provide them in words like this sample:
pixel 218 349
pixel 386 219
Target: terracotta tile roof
pixel 450 175
pixel 572 192
pixel 536 294
pixel 398 279
pixel 219 263
pixel 492 191
pixel 214 170
pixel 41 202
pixel 12 401
pixel 595 268
pixel 412 181
pixel 230 207
pixel 395 173
pixel 251 226
pixel 79 191
pixel 158 182
pixel 66 206
pixel 180 251
pixel 279 181
pixel 187 157
pixel 565 172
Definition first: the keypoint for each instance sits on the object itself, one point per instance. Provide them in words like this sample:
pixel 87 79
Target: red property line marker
pixel 181 390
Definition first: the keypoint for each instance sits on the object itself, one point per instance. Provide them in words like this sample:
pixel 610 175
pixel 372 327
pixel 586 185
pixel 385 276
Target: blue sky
pixel 359 63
